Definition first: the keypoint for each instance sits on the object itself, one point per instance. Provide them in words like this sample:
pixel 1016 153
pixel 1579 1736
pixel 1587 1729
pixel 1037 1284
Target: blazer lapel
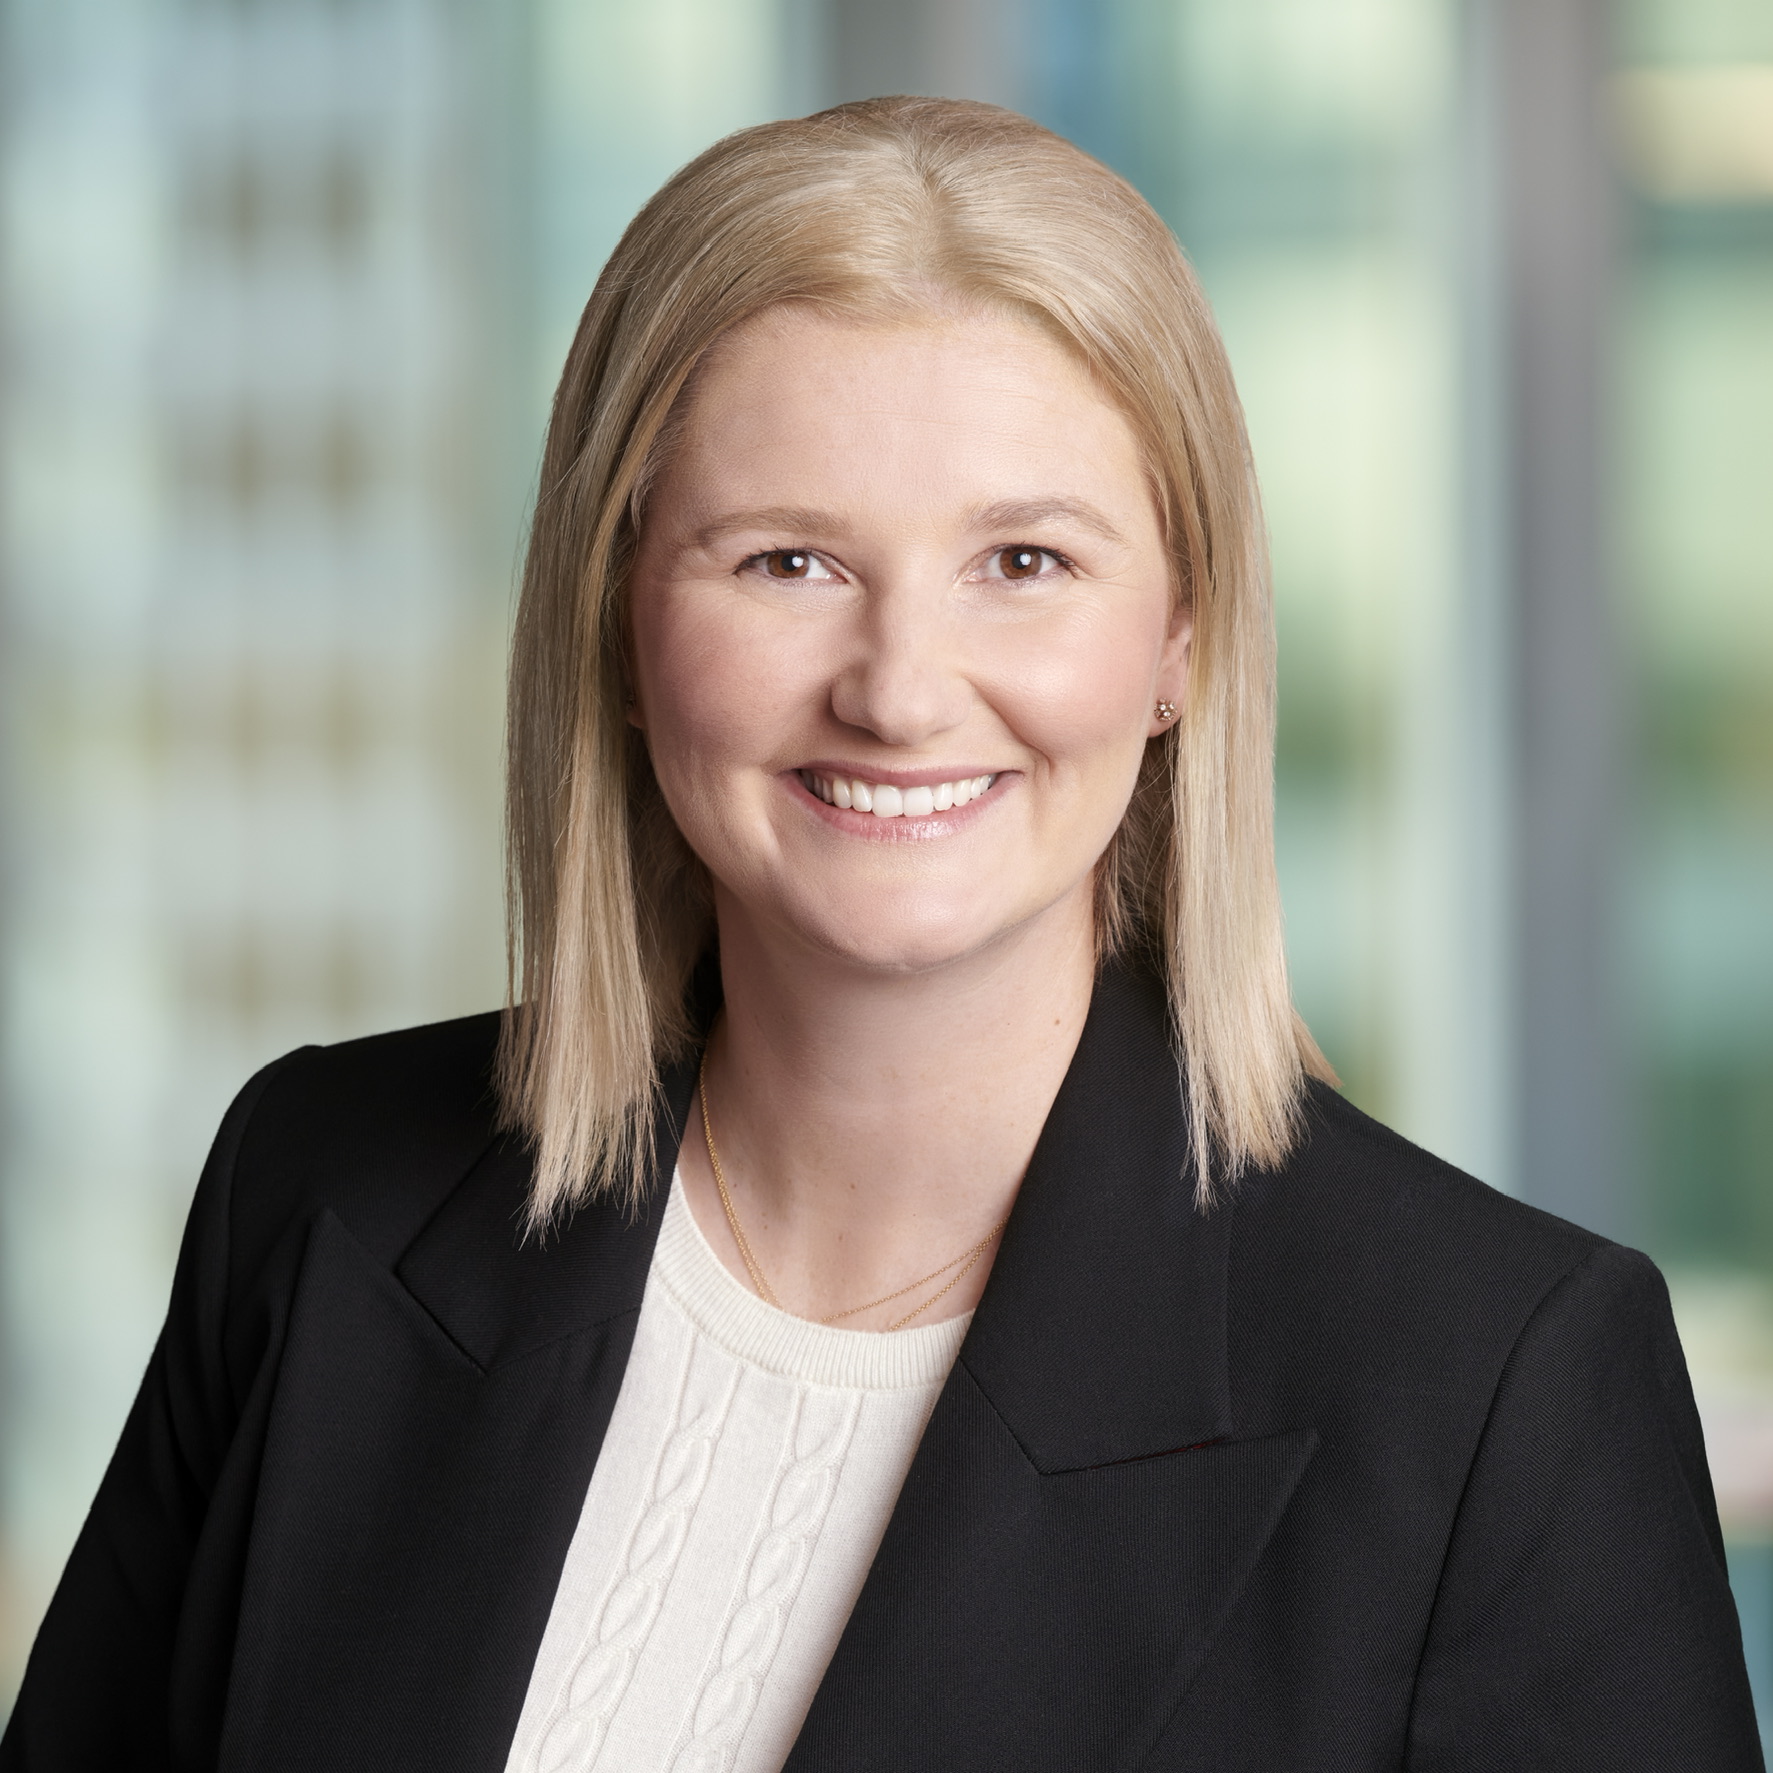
pixel 432 1436
pixel 1081 1514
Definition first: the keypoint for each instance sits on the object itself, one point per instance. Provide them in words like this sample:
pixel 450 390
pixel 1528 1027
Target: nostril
pixel 907 690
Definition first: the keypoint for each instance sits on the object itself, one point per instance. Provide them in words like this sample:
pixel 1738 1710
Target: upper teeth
pixel 885 801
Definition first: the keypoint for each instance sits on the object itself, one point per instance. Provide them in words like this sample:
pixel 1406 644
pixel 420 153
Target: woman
pixel 899 1288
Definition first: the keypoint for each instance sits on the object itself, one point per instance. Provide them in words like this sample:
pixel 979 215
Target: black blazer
pixel 1372 1468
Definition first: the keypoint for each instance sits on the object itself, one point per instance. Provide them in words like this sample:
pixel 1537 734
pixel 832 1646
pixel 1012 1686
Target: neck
pixel 872 1125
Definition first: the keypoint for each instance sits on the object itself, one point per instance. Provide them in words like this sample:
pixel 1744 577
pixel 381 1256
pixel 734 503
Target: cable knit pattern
pixel 772 1581
pixel 746 1477
pixel 598 1680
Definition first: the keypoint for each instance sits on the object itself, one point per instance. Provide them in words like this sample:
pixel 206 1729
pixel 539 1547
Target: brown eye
pixel 788 563
pixel 1021 563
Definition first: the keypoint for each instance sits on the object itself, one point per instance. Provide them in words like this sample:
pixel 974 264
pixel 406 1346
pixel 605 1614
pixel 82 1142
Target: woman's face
pixel 901 613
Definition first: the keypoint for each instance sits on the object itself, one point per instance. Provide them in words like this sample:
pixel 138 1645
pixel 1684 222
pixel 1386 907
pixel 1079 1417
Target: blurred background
pixel 284 287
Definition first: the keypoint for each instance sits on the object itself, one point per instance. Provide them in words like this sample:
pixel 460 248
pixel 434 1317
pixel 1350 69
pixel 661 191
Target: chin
pixel 898 941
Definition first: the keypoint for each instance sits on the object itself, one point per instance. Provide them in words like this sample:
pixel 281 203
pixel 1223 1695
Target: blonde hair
pixel 880 209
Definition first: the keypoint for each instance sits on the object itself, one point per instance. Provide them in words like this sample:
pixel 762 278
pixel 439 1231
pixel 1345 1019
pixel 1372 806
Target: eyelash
pixel 754 562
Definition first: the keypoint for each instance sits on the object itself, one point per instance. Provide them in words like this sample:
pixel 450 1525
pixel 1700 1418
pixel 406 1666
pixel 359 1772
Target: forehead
pixel 952 406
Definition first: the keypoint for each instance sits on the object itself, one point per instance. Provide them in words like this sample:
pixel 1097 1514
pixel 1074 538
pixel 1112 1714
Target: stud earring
pixel 1166 710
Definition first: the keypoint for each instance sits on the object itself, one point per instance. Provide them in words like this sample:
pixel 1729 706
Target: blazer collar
pixel 1101 1333
pixel 500 1295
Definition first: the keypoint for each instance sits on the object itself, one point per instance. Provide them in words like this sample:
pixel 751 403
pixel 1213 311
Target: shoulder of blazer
pixel 1399 1269
pixel 395 1141
pixel 1355 1169
pixel 379 1131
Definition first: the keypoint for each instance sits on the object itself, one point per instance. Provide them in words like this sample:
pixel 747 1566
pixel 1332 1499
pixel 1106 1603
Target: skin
pixel 904 553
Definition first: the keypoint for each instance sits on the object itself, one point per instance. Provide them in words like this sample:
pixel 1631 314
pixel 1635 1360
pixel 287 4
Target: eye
pixel 790 563
pixel 1022 562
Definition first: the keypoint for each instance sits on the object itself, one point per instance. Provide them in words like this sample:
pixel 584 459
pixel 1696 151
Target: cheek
pixel 1082 697
pixel 716 688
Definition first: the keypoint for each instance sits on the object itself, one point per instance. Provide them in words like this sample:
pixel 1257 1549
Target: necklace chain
pixel 759 1284
pixel 968 1259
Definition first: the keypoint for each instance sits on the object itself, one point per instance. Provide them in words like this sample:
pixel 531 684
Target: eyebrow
pixel 1003 515
pixel 795 520
pixel 1011 514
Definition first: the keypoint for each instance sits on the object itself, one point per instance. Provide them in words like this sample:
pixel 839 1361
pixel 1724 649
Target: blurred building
pixel 284 285
pixel 260 505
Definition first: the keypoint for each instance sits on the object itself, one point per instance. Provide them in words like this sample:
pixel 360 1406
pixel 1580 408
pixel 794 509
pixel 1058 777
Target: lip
pixel 919 830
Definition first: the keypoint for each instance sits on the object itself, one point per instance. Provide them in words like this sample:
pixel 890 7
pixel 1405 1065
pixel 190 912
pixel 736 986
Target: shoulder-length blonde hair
pixel 880 209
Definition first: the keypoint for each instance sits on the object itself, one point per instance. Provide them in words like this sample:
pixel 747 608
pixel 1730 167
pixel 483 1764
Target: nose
pixel 905 681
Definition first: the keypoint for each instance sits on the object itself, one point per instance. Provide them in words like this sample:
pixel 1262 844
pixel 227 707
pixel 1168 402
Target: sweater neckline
pixel 723 1309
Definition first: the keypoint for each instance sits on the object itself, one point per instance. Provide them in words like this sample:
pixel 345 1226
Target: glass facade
pixel 286 287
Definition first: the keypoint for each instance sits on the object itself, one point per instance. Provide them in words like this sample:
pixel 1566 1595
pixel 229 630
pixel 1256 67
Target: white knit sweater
pixel 750 1466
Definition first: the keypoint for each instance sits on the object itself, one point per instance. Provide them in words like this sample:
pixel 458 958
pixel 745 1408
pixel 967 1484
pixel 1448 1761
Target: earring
pixel 1166 710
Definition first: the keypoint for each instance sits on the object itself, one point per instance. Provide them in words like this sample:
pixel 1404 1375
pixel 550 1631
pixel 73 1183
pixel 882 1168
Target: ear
pixel 1172 666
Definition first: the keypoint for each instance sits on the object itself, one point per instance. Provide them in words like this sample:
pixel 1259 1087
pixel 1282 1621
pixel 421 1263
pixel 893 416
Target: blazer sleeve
pixel 1584 1617
pixel 97 1689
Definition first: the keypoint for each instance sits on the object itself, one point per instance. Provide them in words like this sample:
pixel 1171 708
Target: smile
pixel 885 801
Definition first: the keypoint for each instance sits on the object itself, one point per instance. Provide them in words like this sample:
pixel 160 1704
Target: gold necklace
pixel 969 1259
